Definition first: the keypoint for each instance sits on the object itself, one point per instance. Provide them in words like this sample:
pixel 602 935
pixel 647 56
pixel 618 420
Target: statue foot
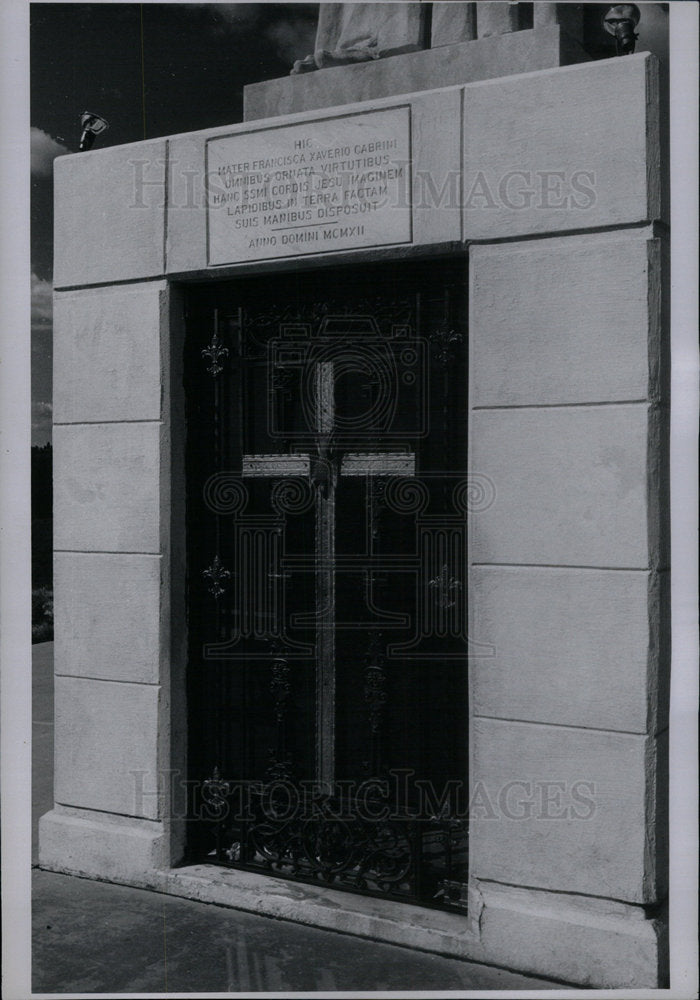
pixel 345 57
pixel 306 65
pixel 324 59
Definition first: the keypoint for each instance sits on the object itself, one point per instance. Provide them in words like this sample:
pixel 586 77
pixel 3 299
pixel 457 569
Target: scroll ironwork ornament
pixel 327 842
pixel 350 851
pixel 216 574
pixel 375 685
pixel 215 351
pixel 446 587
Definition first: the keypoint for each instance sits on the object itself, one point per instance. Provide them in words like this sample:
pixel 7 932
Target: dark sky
pixel 150 70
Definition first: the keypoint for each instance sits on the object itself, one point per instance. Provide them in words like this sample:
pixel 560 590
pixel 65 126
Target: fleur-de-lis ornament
pixel 214 792
pixel 215 351
pixel 216 574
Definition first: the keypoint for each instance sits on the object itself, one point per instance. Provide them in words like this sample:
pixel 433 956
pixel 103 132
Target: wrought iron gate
pixel 327 498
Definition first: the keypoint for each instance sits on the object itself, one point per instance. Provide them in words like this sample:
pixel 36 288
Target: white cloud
pixel 42 301
pixel 44 150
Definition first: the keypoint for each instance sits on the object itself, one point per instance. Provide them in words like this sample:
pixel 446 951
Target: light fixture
pixel 92 126
pixel 620 22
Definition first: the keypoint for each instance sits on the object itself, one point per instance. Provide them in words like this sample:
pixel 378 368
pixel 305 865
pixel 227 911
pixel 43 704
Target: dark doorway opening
pixel 327 608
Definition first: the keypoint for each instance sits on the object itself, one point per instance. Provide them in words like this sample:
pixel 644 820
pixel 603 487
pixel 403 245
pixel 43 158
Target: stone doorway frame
pixel 546 435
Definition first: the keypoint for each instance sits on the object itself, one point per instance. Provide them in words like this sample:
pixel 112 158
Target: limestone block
pixel 118 848
pixel 593 943
pixel 107 611
pixel 109 217
pixel 570 486
pixel 436 169
pixel 108 731
pixel 562 809
pixel 562 321
pixel 106 487
pixel 569 148
pixel 107 357
pixel 446 65
pixel 186 245
pixel 572 647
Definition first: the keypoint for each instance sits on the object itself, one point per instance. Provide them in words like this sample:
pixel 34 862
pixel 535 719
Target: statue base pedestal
pixel 446 66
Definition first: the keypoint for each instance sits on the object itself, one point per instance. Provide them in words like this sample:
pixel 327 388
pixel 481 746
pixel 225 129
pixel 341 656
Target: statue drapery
pixel 360 32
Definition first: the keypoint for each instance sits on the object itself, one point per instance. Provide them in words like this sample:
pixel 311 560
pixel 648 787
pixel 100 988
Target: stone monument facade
pixel 542 182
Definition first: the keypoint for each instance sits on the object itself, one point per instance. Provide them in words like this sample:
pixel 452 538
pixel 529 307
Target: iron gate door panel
pixel 327 616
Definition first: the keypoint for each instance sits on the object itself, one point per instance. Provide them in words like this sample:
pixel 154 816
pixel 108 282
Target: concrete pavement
pixel 95 937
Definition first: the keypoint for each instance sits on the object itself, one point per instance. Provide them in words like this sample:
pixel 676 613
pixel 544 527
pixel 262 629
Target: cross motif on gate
pixel 324 468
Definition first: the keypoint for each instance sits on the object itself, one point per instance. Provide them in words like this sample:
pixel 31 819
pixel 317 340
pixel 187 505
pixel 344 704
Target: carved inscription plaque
pixel 338 184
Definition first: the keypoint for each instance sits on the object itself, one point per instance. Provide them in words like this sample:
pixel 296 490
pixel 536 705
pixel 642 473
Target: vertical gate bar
pixel 220 684
pixel 325 581
pixel 218 840
pixel 416 841
pixel 448 850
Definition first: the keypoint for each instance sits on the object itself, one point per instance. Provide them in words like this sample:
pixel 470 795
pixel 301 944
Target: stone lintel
pixel 573 163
